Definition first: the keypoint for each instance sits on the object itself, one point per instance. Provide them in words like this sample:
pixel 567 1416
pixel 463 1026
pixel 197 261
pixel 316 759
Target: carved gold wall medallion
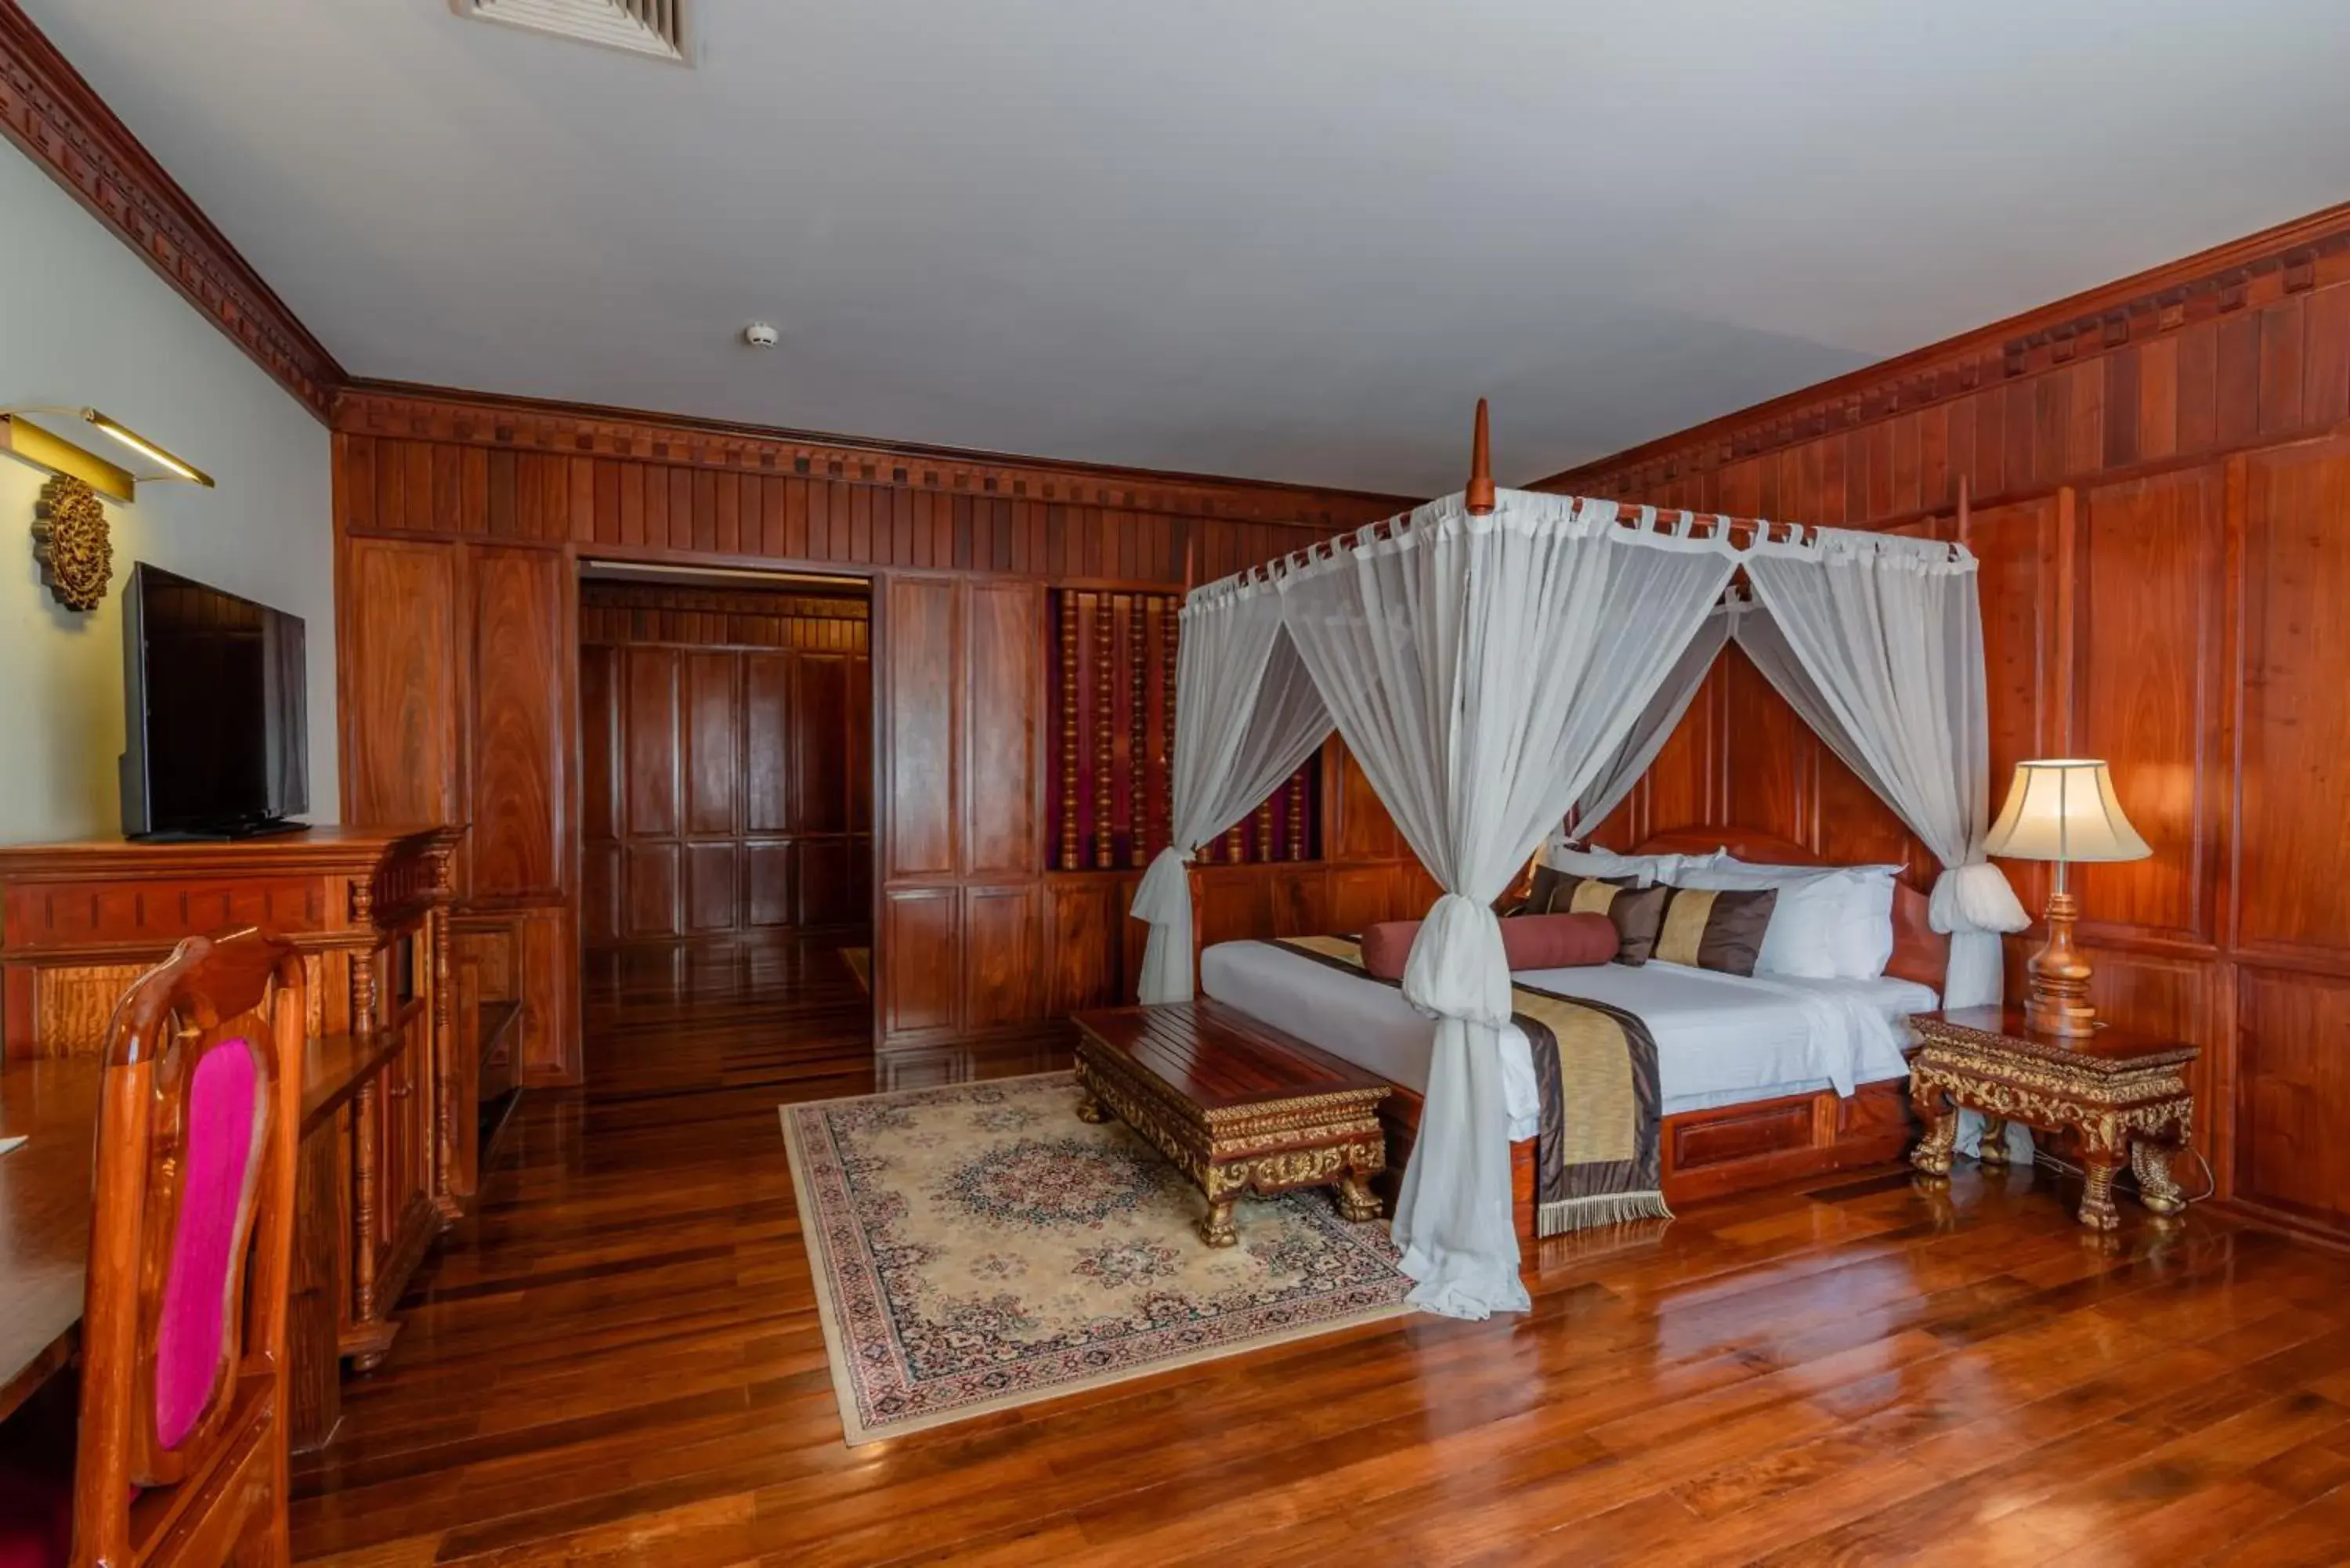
pixel 70 542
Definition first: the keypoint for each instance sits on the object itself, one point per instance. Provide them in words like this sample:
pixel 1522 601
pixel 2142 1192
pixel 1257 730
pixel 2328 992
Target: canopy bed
pixel 1495 660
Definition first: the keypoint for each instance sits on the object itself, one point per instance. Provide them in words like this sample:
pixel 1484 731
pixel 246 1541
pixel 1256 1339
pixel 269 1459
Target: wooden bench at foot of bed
pixel 1716 1152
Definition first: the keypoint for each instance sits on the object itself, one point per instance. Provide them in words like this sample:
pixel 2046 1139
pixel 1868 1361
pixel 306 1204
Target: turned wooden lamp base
pixel 2059 999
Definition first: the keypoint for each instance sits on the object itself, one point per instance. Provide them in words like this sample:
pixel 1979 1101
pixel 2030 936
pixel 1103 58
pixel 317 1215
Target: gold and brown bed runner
pixel 1597 1159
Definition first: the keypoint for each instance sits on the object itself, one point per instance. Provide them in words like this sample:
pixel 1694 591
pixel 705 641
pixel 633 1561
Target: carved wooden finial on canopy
pixel 1481 466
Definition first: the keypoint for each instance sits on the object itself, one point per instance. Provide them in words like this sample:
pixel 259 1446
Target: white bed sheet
pixel 1722 1039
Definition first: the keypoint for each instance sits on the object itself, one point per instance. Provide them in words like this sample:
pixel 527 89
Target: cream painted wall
pixel 83 321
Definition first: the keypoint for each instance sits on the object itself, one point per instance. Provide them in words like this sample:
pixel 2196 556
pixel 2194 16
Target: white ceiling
pixel 1292 239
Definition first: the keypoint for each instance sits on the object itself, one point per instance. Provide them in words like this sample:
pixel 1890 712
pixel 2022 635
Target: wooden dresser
pixel 390 1099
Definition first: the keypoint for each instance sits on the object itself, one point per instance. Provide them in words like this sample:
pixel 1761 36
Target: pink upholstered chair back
pixel 192 1232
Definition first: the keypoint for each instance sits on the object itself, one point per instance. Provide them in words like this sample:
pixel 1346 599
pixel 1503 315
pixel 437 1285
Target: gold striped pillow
pixel 1636 911
pixel 1707 928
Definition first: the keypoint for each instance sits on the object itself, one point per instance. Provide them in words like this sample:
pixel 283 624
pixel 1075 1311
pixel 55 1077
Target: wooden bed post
pixel 1481 467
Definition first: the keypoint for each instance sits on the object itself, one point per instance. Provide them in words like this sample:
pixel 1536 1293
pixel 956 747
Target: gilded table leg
pixel 1089 1106
pixel 2097 1210
pixel 1932 1154
pixel 1355 1198
pixel 2158 1189
pixel 1993 1150
pixel 1216 1225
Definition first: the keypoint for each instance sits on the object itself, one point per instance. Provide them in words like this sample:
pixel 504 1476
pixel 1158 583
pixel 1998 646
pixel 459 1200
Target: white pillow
pixel 1597 862
pixel 1841 916
pixel 1805 936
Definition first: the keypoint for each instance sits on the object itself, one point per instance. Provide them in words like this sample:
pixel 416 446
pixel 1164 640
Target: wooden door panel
pixel 651 872
pixel 768 724
pixel 1082 961
pixel 1001 978
pixel 768 885
pixel 2293 892
pixel 2147 694
pixel 709 887
pixel 924 629
pixel 1005 676
pixel 600 892
pixel 710 741
pixel 822 761
pixel 859 699
pixel 650 754
pixel 920 959
pixel 832 874
pixel 519 629
pixel 600 742
pixel 2017 582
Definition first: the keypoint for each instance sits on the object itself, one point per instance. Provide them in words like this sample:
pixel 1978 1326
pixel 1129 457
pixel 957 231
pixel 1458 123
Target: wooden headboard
pixel 1920 952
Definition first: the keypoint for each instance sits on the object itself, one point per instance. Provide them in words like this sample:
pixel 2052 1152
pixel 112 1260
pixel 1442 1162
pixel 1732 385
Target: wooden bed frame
pixel 1734 1148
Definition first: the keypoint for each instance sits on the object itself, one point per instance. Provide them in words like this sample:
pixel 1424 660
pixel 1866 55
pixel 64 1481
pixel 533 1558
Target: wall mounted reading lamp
pixel 46 448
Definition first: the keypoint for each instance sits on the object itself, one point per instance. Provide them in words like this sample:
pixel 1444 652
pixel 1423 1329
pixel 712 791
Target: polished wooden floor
pixel 618 1362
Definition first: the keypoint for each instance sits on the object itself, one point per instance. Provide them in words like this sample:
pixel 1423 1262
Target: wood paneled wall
pixel 460 523
pixel 2160 475
pixel 725 762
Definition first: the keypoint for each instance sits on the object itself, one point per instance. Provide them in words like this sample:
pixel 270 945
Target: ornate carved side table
pixel 1237 1105
pixel 2123 1095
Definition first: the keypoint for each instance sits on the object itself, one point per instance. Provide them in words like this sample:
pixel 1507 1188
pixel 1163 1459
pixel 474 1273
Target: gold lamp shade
pixel 2062 809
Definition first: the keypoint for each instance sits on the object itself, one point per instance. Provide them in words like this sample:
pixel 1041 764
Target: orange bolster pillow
pixel 1531 942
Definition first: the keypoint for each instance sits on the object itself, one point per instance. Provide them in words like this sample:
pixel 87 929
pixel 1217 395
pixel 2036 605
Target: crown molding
pixel 399 411
pixel 50 112
pixel 2257 269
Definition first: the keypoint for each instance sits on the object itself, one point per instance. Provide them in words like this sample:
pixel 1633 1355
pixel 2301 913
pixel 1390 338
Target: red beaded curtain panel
pixel 1109 771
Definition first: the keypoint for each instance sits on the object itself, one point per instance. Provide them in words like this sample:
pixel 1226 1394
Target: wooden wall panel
pixel 2292 891
pixel 721 767
pixel 2146 681
pixel 519 621
pixel 960 552
pixel 920 713
pixel 2160 474
pixel 1004 673
pixel 399 682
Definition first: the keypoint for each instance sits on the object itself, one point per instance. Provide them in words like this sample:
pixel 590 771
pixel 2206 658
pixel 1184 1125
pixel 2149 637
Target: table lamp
pixel 2062 809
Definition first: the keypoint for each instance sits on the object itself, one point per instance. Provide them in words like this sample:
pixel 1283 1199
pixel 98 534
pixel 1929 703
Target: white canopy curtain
pixel 1875 641
pixel 1246 717
pixel 1483 669
pixel 1655 723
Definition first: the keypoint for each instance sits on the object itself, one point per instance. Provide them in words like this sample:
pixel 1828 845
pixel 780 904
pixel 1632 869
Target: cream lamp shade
pixel 2062 808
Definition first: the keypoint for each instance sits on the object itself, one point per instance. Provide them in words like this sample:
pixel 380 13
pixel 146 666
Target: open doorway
pixel 726 823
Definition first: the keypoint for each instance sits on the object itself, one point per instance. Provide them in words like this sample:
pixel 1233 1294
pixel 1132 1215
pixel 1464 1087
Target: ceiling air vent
pixel 641 26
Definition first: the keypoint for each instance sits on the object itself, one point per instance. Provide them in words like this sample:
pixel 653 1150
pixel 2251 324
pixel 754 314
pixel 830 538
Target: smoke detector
pixel 655 27
pixel 759 335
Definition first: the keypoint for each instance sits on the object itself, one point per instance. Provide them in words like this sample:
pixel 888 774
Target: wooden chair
pixel 181 1457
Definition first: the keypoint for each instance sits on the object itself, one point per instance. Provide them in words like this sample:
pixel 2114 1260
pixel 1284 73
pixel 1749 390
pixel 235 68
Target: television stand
pixel 233 833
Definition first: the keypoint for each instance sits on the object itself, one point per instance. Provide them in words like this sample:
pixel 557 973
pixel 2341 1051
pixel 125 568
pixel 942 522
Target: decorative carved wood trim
pixel 46 108
pixel 2259 269
pixel 571 430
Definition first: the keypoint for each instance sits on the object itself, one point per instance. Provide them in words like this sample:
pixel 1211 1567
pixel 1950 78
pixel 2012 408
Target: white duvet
pixel 1722 1039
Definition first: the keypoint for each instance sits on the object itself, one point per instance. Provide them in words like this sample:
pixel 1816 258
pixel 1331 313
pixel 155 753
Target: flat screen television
pixel 215 713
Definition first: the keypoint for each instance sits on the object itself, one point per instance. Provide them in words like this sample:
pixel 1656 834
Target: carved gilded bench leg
pixel 1216 1226
pixel 1355 1198
pixel 2097 1210
pixel 1992 1150
pixel 2158 1189
pixel 1932 1154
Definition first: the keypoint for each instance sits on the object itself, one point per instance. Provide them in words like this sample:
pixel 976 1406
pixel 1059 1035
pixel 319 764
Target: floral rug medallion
pixel 977 1247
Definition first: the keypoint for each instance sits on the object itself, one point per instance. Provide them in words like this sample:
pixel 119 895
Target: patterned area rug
pixel 978 1247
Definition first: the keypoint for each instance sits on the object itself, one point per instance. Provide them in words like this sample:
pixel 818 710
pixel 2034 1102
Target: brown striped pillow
pixel 1708 928
pixel 1637 912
